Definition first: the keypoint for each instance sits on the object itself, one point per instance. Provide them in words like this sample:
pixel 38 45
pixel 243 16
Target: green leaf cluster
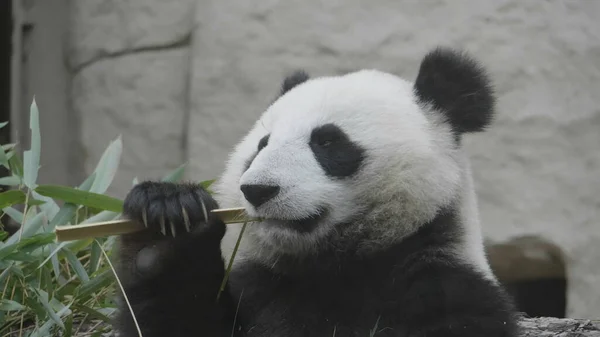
pixel 49 288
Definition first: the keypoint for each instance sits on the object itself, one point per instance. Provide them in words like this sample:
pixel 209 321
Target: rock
pixel 143 97
pixel 113 27
pixel 554 327
pixel 526 258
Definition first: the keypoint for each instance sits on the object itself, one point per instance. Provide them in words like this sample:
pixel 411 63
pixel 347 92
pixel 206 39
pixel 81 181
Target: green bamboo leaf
pixel 206 185
pixel 35 241
pixel 9 146
pixel 175 175
pixel 7 250
pixel 68 332
pixel 80 197
pixel 21 257
pixel 3 124
pixel 52 256
pixel 87 183
pixel 34 202
pixel 42 298
pixel 11 197
pixel 47 282
pixel 16 270
pixel 95 254
pixel 76 265
pixel 77 245
pixel 8 305
pixel 100 281
pixel 31 226
pixel 107 166
pixel 10 181
pixel 35 306
pixel 95 314
pixel 63 216
pixel 31 158
pixel 13 214
pixel 3 158
pixel 16 164
pixel 6 271
pixel 102 216
pixel 48 205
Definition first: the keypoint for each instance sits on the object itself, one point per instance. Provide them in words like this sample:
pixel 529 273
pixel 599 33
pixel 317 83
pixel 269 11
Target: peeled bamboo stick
pixel 125 226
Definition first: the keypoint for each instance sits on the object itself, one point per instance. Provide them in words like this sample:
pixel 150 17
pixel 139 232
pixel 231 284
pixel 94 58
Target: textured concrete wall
pixel 536 171
pixel 39 70
pixel 130 63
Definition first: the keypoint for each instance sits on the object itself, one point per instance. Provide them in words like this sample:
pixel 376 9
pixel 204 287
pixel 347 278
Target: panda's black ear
pixel 457 86
pixel 292 80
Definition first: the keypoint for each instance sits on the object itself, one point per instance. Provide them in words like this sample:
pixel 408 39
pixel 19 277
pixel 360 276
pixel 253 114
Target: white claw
pixel 186 220
pixel 163 229
pixel 145 218
pixel 172 228
pixel 204 210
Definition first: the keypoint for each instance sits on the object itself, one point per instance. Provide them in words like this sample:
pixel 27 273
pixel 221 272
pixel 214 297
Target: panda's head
pixel 366 155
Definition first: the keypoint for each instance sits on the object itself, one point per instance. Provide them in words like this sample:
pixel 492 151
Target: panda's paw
pixel 170 209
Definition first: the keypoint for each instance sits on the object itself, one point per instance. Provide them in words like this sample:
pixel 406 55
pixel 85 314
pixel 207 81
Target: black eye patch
pixel 336 153
pixel 264 141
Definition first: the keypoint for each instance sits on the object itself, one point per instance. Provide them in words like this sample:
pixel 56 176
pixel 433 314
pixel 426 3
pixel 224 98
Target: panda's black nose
pixel 259 194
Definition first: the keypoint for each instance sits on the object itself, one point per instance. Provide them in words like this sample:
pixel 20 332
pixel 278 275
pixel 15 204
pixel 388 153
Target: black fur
pixel 336 153
pixel 262 143
pixel 176 295
pixel 459 87
pixel 415 288
pixel 296 78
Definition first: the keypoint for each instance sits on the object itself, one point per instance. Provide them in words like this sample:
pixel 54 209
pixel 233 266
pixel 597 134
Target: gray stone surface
pixel 552 327
pixel 130 62
pixel 143 97
pixel 536 171
pixel 104 28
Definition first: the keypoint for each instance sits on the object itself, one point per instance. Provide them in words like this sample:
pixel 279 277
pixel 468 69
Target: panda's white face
pixel 354 152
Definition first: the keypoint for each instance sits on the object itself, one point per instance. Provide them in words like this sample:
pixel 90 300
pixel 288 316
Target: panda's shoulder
pixel 440 282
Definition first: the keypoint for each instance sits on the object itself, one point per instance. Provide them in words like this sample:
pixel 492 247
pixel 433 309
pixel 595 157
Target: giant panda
pixel 369 219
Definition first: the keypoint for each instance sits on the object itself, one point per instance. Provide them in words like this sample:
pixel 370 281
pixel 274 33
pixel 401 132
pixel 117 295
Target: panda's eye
pixel 326 135
pixel 263 142
pixel 337 154
pixel 324 143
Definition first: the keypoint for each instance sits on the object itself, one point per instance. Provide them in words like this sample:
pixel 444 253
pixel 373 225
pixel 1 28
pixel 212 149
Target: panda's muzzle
pixel 259 194
pixel 303 225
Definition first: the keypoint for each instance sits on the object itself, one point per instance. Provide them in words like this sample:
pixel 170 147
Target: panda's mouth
pixel 302 225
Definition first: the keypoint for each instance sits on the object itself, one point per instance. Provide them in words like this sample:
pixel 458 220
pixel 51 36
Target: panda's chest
pixel 315 305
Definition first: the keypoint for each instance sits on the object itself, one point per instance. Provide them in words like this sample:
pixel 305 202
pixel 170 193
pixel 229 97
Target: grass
pixel 49 288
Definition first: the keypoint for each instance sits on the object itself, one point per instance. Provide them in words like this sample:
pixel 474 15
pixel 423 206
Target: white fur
pixel 411 169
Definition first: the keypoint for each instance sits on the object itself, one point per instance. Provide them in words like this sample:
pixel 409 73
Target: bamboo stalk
pixel 125 226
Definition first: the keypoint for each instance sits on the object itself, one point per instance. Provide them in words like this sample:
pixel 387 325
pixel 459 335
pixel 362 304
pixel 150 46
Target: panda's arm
pixel 171 272
pixel 452 300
